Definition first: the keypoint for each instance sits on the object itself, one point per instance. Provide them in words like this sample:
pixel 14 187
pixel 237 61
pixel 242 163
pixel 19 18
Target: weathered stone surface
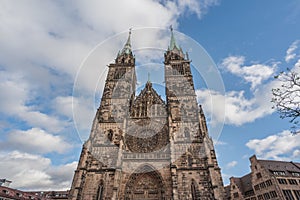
pixel 142 147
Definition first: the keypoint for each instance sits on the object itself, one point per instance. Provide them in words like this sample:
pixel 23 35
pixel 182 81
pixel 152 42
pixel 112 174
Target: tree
pixel 286 97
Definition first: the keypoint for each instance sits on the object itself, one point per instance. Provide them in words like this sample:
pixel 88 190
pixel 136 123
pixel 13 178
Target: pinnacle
pixel 173 41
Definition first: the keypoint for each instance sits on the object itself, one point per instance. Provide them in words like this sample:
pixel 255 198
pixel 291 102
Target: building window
pixel 279 173
pixel 5 191
pixel 262 185
pixel 273 194
pixel 100 191
pixel 282 181
pixel 19 194
pixel 249 193
pixel 295 174
pixel 292 181
pixel 235 195
pixel 268 182
pixel 258 175
pixel 297 194
pixel 288 194
pixel 195 193
pixel 178 69
pixel 260 197
pixel 267 196
pixel 256 187
pixel 110 135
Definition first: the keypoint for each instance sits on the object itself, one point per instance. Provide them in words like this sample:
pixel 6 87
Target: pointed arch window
pixel 100 191
pixel 178 69
pixel 110 135
pixel 120 72
pixel 195 192
pixel 186 133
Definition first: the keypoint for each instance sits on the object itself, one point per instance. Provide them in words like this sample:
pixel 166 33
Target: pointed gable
pixel 148 103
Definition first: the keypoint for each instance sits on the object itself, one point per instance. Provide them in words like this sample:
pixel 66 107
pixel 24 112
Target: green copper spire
pixel 172 42
pixel 127 46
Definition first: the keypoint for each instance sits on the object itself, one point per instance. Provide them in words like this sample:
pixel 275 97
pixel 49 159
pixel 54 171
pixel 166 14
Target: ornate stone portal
pixel 142 147
pixel 145 183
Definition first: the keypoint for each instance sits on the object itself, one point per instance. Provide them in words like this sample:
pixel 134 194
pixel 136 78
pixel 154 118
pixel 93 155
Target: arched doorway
pixel 145 184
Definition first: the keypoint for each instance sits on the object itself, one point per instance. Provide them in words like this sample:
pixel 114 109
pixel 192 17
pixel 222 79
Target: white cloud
pixel 45 42
pixel 290 53
pixel 254 74
pixel 199 7
pixel 236 108
pixel 231 164
pixel 281 146
pixel 35 140
pixel 15 101
pixel 80 110
pixel 33 172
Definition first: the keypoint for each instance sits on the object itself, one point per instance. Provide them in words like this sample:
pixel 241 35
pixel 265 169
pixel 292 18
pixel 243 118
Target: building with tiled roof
pixel 7 193
pixel 268 179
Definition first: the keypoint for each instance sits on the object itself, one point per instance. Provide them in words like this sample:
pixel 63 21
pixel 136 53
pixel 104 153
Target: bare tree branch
pixel 286 98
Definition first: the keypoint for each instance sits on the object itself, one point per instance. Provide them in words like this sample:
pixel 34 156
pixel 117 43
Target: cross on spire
pixel 149 77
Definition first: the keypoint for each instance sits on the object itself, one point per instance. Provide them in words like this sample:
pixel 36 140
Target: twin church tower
pixel 144 148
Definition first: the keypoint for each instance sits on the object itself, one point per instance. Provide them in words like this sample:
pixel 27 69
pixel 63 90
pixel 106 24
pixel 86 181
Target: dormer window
pixel 279 173
pixel 5 191
pixel 295 174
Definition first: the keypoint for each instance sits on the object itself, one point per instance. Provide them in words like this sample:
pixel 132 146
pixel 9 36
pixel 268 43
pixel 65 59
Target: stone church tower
pixel 142 147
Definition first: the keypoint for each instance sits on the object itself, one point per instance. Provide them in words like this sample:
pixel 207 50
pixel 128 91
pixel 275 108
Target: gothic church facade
pixel 142 147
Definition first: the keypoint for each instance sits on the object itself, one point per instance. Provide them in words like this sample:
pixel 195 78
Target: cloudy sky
pixel 49 53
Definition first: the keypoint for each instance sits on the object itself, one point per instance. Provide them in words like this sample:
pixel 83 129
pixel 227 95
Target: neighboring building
pixel 142 147
pixel 7 193
pixel 52 195
pixel 5 182
pixel 268 179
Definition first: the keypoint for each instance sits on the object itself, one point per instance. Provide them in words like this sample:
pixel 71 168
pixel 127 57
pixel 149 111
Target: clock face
pixel 145 141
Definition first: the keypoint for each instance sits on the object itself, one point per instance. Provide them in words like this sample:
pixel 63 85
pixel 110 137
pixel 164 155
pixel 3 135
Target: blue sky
pixel 48 48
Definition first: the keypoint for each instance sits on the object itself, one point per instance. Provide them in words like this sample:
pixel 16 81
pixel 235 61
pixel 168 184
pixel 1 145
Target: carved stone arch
pixel 145 183
pixel 187 134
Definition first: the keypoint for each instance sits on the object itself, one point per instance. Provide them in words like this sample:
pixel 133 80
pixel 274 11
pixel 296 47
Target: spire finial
pixel 127 47
pixel 149 77
pixel 128 39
